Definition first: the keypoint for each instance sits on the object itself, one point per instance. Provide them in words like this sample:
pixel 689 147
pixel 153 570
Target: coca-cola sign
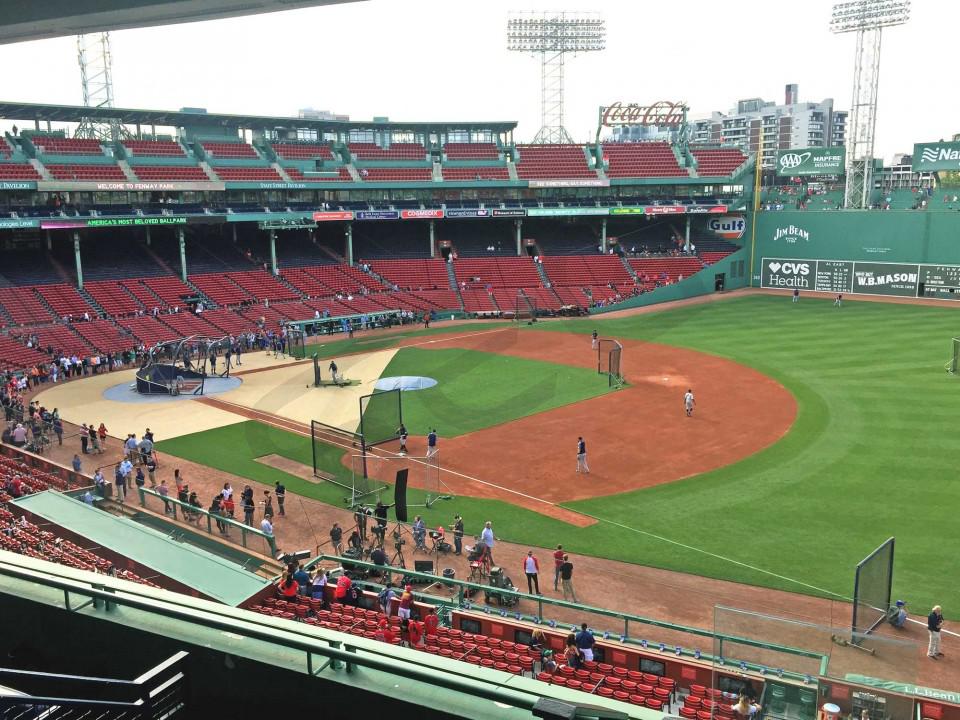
pixel 662 113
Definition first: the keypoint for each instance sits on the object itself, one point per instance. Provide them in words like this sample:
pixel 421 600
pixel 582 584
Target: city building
pixel 793 124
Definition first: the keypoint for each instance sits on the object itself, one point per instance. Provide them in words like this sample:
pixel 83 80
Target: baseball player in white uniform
pixel 688 402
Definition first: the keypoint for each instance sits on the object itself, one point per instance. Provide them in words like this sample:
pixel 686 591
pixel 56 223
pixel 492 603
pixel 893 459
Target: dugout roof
pixel 38 19
pixel 213 576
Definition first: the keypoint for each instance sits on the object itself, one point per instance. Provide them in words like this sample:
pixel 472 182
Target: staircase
pixel 127 170
pixel 512 171
pixel 64 274
pixel 280 171
pixel 38 166
pixel 205 166
pixel 354 175
pixel 629 268
pixel 96 306
pixel 341 260
pixel 283 281
pixel 158 260
pixel 437 171
pixel 543 275
pixel 454 285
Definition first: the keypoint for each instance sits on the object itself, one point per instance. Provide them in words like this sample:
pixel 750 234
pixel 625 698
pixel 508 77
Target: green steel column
pixel 686 236
pixel 49 240
pixel 518 225
pixel 273 252
pixel 433 241
pixel 148 237
pixel 76 255
pixel 183 255
pixel 603 235
pixel 350 243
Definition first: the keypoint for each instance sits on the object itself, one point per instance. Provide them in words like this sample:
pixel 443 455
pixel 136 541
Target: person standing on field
pixel 432 443
pixel 566 579
pixel 839 301
pixel 557 564
pixel 934 626
pixel 531 568
pixel 796 294
pixel 582 456
pixel 688 402
pixel 594 340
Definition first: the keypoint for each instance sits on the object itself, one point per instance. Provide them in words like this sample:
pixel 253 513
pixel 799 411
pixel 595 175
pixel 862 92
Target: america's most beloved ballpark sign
pixel 662 113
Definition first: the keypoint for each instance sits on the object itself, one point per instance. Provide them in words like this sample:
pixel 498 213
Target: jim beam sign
pixel 662 113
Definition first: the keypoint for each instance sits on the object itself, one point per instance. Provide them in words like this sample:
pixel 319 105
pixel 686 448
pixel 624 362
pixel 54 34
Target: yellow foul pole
pixel 757 177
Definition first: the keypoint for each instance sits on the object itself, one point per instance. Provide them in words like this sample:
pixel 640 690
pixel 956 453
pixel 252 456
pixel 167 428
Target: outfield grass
pixel 476 390
pixel 870 455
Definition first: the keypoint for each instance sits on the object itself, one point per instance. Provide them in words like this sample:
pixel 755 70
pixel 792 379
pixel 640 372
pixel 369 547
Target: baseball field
pixel 818 433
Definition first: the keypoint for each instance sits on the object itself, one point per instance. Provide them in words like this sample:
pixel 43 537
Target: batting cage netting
pixel 381 415
pixel 609 355
pixel 525 308
pixel 873 588
pixel 423 473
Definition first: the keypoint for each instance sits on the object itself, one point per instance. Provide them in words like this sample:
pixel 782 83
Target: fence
pixel 250 538
pixel 872 588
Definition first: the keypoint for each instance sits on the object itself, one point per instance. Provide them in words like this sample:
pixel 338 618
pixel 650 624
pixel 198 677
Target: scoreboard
pixel 862 277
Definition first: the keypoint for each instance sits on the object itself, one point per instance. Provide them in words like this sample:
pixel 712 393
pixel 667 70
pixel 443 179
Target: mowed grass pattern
pixel 871 455
pixel 476 390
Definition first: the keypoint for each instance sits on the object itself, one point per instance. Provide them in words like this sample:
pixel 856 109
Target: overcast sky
pixel 438 60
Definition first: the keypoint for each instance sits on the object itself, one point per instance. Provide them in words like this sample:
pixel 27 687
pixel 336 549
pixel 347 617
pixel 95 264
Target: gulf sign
pixel 729 227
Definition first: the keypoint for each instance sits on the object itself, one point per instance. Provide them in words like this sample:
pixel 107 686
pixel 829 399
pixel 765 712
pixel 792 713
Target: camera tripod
pixel 398 546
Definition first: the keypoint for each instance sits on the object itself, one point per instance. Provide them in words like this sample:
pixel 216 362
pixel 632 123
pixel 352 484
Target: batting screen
pixel 609 355
pixel 380 416
pixel 954 358
pixel 873 588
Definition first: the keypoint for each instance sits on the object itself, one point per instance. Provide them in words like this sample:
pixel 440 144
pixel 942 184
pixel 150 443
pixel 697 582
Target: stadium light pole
pixel 96 78
pixel 552 35
pixel 866 18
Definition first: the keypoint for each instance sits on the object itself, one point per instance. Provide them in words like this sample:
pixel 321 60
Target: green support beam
pixel 76 255
pixel 183 255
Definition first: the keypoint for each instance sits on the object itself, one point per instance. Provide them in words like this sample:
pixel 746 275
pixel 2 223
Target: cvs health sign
pixel 780 273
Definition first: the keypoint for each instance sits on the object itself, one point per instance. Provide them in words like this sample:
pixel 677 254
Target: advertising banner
pixel 331 215
pixel 377 215
pixel 811 161
pixel 569 182
pixel 566 212
pixel 119 222
pixel 729 227
pixel 18 223
pixel 429 214
pixel 665 210
pixel 936 156
pixel 121 186
pixel 706 209
pixel 508 212
pixel 467 213
pixel 847 276
pixel 18 185
pixel 628 211
pixel 886 279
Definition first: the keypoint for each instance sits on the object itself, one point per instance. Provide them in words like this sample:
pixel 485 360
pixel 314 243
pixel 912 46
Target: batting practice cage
pixel 381 415
pixel 525 308
pixel 609 354
pixel 423 473
pixel 296 346
pixel 329 444
pixel 872 589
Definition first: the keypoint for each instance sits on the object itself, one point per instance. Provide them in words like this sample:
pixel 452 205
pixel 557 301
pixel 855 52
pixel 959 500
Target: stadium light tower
pixel 552 35
pixel 866 18
pixel 96 76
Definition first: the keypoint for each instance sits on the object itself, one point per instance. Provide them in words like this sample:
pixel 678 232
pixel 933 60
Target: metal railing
pixel 322 649
pixel 199 518
pixel 463 588
pixel 158 693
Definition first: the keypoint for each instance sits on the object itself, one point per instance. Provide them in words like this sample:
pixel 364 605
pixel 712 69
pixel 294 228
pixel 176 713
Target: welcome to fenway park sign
pixel 662 113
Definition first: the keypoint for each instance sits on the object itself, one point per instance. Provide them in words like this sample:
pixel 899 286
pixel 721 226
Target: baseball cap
pixel 900 603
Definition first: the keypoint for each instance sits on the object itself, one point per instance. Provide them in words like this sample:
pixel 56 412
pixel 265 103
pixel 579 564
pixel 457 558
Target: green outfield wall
pixel 903 253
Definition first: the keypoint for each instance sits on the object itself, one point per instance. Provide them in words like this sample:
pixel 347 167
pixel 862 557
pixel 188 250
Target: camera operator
pixel 360 518
pixel 380 512
pixel 355 543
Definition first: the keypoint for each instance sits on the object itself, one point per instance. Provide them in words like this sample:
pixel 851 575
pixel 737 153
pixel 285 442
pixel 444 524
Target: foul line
pixel 301 429
pixel 719 557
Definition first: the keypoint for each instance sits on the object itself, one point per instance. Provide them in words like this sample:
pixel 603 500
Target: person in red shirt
pixel 430 623
pixel 343 587
pixel 384 632
pixel 288 587
pixel 557 563
pixel 415 631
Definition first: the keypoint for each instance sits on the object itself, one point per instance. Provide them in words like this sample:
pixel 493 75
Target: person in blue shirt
pixel 898 614
pixel 432 443
pixel 585 642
